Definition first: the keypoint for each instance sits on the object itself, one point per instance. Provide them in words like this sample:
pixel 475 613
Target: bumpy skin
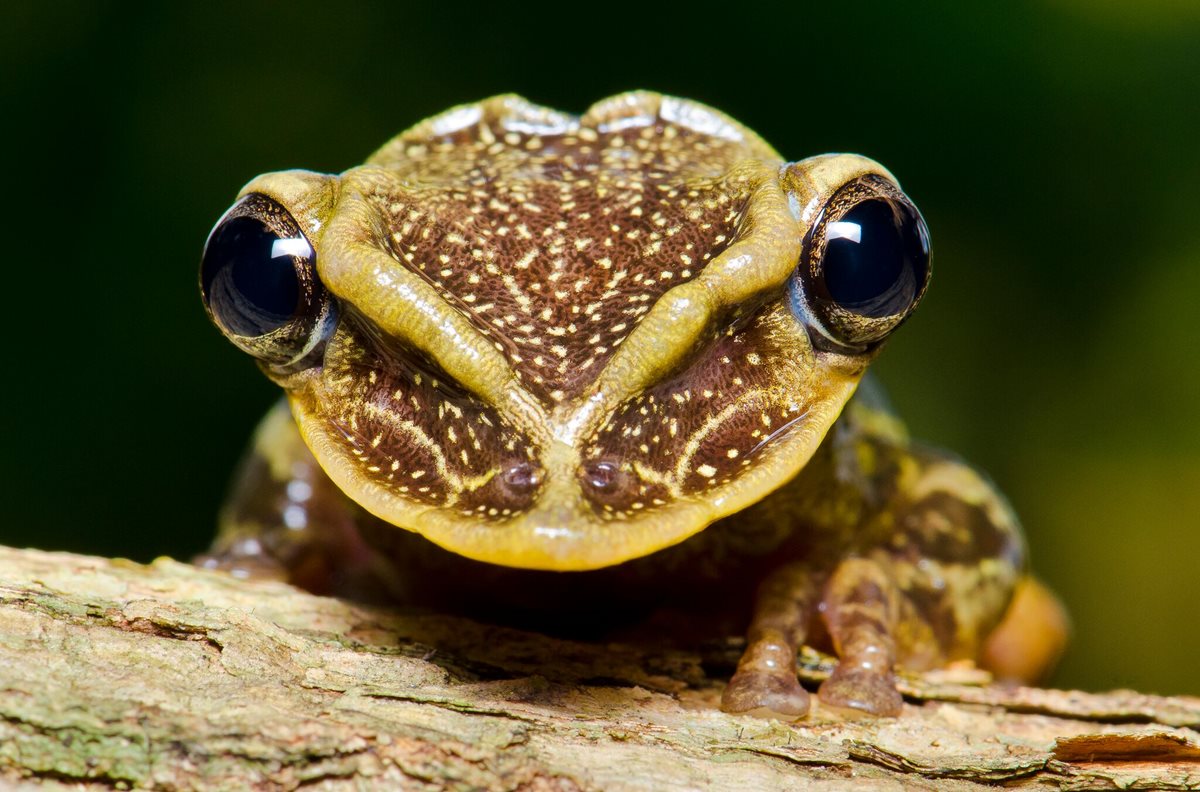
pixel 567 386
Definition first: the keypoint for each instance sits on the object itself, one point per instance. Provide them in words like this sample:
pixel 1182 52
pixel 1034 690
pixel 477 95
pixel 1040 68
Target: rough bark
pixel 116 674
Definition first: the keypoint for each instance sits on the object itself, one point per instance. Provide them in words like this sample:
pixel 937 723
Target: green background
pixel 1051 145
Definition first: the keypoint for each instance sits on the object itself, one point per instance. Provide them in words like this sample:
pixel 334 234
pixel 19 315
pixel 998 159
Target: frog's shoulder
pixel 870 414
pixel 489 120
pixel 865 436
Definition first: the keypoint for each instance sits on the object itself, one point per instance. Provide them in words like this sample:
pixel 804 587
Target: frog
pixel 569 370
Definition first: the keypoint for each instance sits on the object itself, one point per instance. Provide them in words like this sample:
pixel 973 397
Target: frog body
pixel 586 366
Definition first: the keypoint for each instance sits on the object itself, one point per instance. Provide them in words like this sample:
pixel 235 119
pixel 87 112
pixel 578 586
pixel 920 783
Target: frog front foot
pixel 859 606
pixel 855 690
pixel 765 684
pixel 284 520
pixel 244 558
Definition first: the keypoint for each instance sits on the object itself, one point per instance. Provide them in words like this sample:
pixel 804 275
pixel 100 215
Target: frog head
pixel 560 342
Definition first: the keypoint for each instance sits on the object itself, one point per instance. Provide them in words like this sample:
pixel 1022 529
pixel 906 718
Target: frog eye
pixel 258 279
pixel 865 265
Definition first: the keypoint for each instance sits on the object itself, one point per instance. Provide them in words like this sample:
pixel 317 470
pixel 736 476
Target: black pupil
pixel 876 258
pixel 250 281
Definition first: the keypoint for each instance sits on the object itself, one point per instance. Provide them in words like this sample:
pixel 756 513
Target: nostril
pixel 607 481
pixel 510 491
pixel 603 476
pixel 521 479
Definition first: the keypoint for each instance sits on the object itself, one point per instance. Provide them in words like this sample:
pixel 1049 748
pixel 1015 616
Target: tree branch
pixel 115 674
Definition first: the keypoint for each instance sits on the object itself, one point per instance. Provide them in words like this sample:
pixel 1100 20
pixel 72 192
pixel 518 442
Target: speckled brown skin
pixel 567 386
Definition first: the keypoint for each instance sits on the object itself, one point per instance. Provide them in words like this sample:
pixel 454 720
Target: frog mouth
pixel 424 456
pixel 561 530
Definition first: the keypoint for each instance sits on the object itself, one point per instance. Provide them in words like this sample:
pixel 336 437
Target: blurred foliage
pixel 1051 146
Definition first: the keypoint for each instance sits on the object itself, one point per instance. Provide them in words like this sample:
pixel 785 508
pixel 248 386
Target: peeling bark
pixel 115 674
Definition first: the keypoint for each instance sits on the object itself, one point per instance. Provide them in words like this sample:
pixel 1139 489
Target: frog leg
pixel 765 683
pixel 938 559
pixel 285 520
pixel 860 607
pixel 915 557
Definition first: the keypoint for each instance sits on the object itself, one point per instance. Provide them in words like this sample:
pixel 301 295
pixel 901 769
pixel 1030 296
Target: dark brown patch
pixel 943 527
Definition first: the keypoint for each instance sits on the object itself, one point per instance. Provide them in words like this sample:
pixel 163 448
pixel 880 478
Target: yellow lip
pixel 562 531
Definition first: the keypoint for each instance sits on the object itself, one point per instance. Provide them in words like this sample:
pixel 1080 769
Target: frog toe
pixel 765 695
pixel 859 690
